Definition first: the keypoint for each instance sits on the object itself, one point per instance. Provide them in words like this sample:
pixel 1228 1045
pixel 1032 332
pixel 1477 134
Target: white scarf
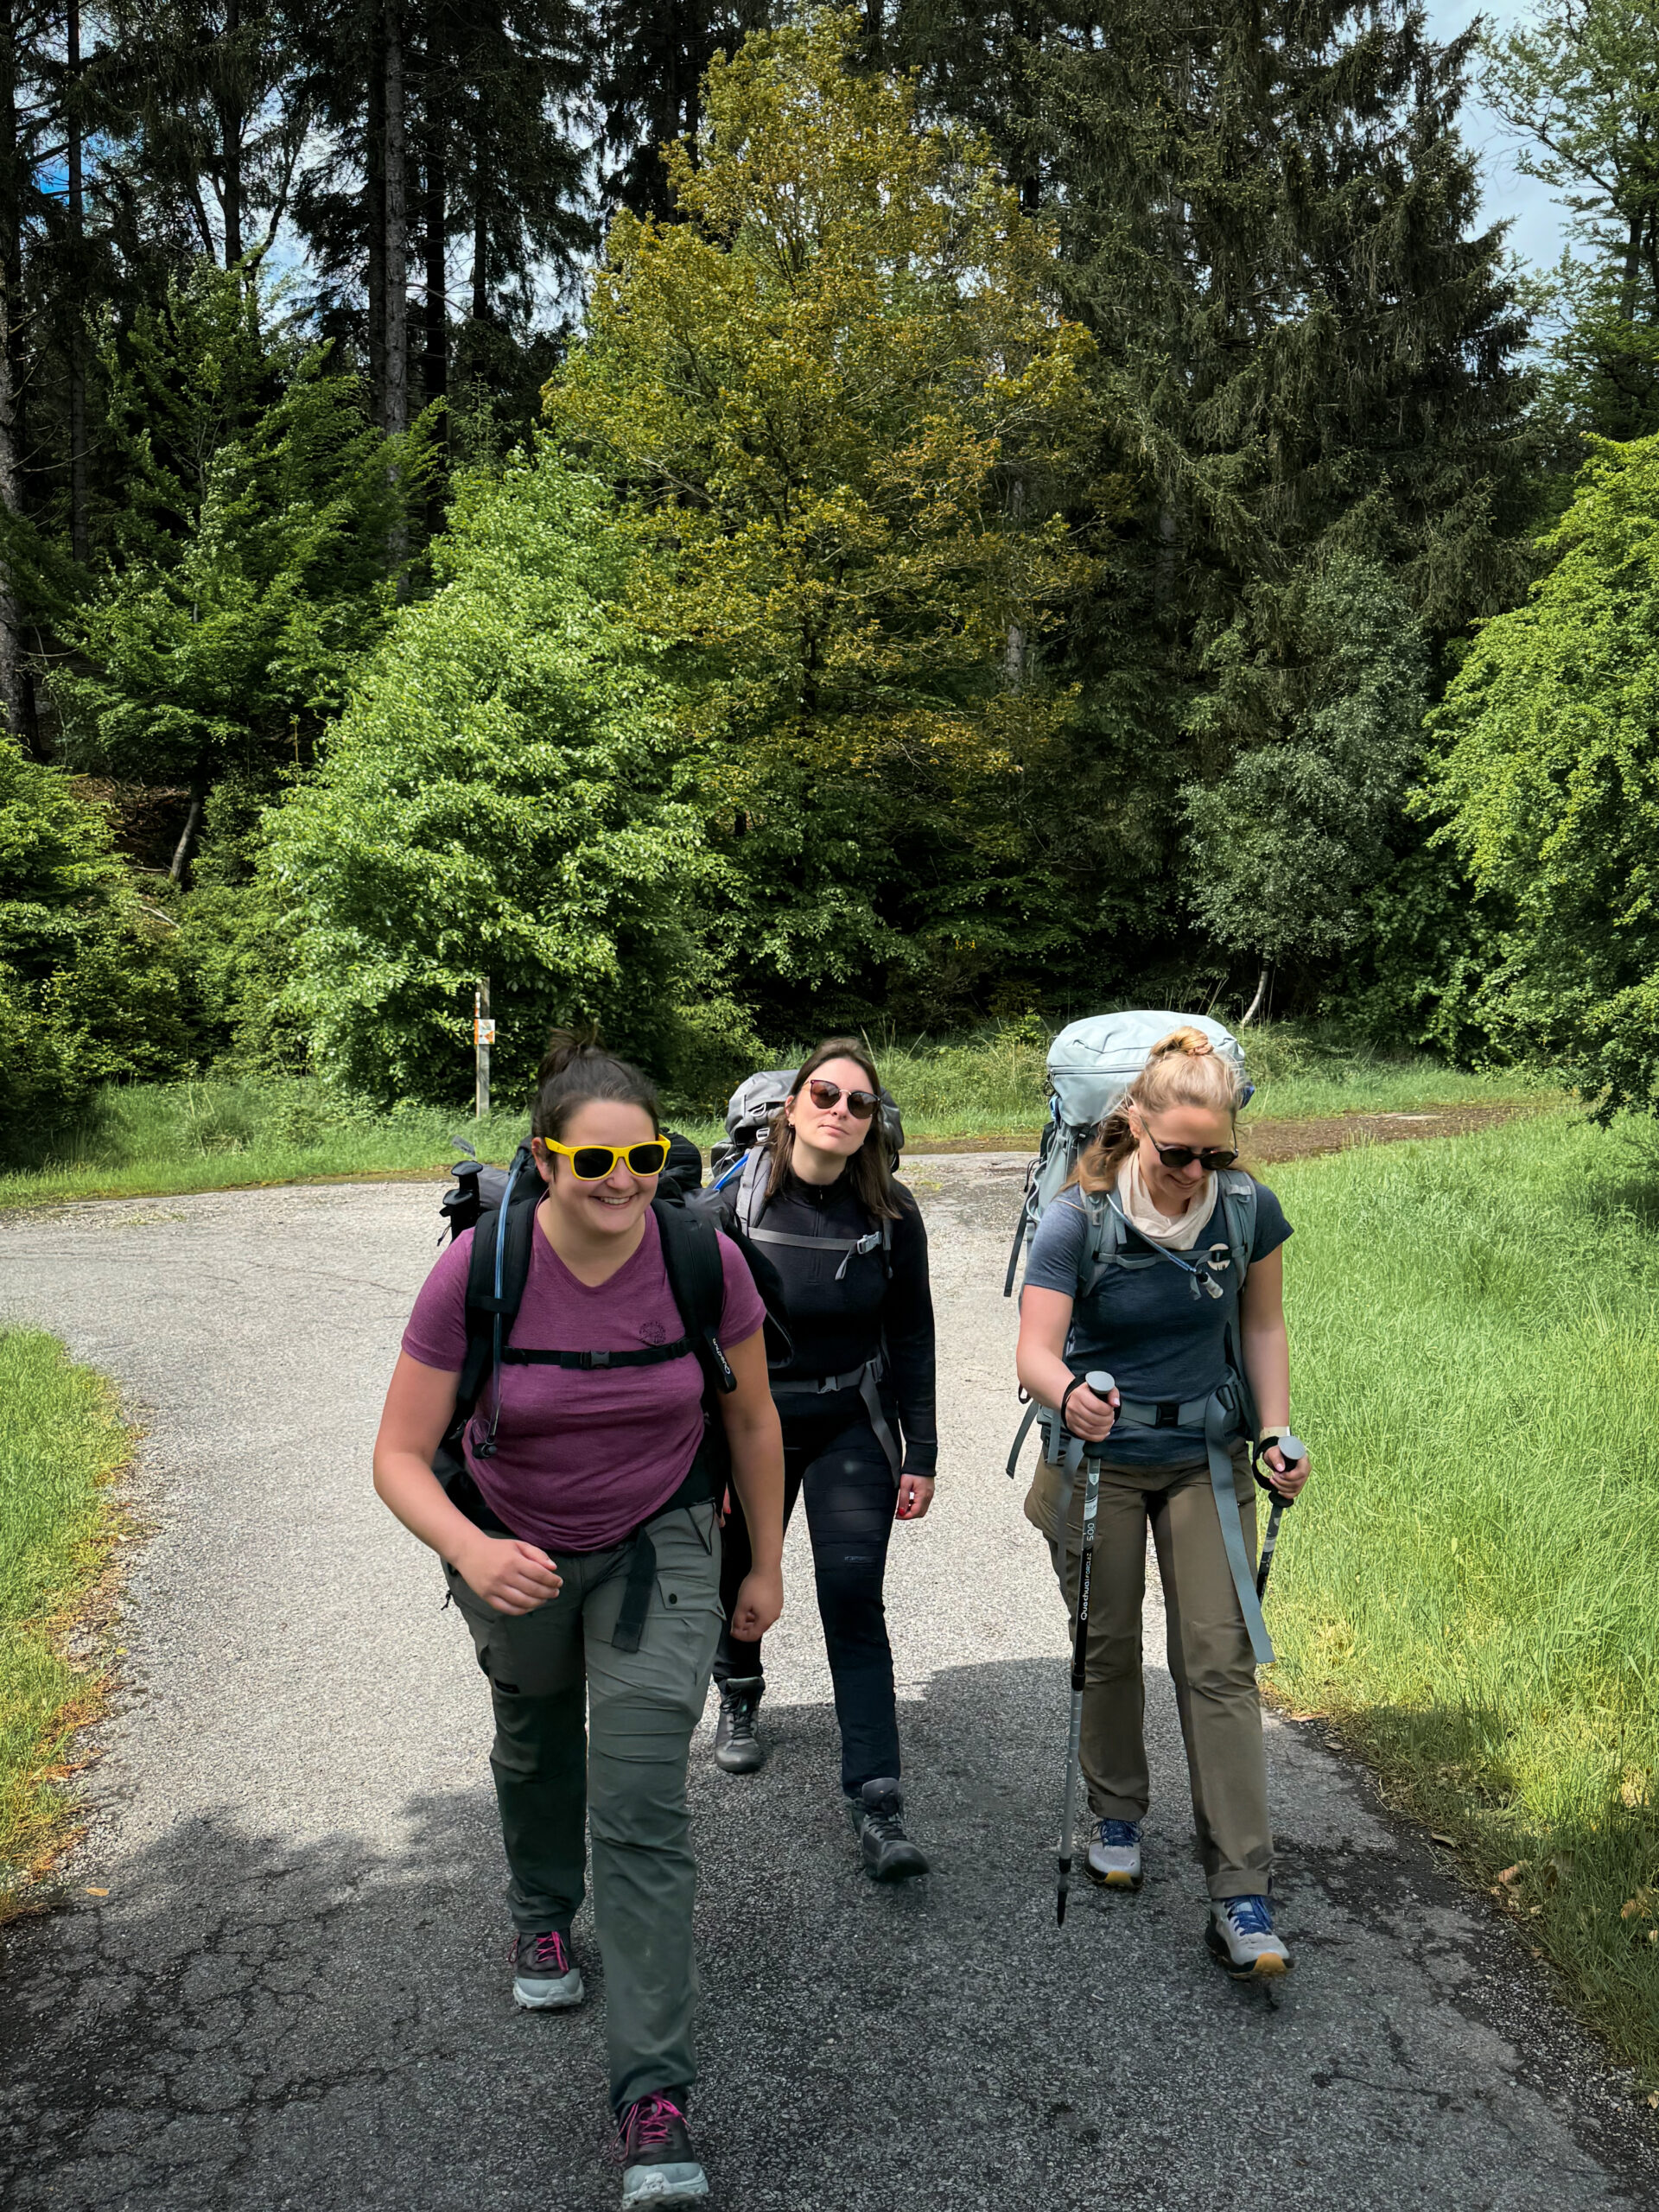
pixel 1134 1201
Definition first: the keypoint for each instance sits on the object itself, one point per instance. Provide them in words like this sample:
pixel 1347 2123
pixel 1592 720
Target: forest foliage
pixel 732 521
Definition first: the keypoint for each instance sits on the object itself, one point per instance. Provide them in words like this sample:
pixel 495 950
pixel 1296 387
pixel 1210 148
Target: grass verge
pixel 61 1441
pixel 1469 1588
pixel 152 1140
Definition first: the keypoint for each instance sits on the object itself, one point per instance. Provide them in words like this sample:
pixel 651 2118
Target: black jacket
pixel 838 1326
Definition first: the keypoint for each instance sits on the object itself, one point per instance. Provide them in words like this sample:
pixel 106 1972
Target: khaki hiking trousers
pixel 1209 1655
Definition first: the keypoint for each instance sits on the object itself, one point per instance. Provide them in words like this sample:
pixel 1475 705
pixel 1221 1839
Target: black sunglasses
pixel 860 1104
pixel 1183 1156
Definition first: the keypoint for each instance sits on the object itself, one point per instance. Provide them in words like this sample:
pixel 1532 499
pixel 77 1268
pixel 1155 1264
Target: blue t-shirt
pixel 1143 1322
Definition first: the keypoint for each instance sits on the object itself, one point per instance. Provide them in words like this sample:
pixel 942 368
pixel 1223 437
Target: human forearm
pixel 405 1483
pixel 1267 1362
pixel 757 1448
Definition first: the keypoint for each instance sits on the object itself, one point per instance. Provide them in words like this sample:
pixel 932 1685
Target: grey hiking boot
pixel 738 1747
pixel 1114 1857
pixel 658 2164
pixel 1241 1935
pixel 878 1820
pixel 545 1978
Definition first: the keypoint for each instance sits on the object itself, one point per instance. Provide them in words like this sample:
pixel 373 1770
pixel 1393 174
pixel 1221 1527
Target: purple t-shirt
pixel 583 1455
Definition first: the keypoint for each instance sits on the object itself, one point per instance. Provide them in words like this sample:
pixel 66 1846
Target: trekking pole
pixel 1102 1386
pixel 1294 1451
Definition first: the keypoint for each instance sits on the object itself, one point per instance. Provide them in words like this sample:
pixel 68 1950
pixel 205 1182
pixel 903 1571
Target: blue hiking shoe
pixel 1241 1935
pixel 1114 1857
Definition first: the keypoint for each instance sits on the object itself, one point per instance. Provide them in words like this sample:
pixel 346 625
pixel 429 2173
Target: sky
pixel 1536 233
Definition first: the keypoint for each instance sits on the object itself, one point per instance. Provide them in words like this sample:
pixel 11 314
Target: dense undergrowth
pixel 1469 1586
pixel 218 1135
pixel 62 1440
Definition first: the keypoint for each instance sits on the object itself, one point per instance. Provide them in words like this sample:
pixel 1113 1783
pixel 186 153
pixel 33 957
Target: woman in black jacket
pixel 856 1402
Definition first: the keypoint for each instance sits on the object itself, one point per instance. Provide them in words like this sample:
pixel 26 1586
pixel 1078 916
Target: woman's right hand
pixel 1091 1417
pixel 511 1576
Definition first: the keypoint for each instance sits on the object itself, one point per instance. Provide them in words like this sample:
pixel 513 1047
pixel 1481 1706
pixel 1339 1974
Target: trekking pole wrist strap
pixel 1272 1435
pixel 1076 1384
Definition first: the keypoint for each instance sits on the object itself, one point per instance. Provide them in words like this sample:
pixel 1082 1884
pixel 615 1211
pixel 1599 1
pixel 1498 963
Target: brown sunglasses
pixel 860 1104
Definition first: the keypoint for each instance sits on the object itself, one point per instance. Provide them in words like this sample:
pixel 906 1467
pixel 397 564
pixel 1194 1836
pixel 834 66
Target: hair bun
pixel 565 1047
pixel 1193 1042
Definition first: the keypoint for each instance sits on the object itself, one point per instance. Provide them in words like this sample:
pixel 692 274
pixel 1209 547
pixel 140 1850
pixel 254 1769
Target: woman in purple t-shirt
pixel 563 1477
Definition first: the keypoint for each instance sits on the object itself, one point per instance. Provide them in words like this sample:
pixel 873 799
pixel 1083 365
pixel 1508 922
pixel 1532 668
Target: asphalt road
pixel 294 1993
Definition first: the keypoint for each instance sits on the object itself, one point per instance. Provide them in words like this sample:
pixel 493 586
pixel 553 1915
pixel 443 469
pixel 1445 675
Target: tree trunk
pixel 434 363
pixel 1259 1000
pixel 184 849
pixel 80 541
pixel 480 222
pixel 374 197
pixel 231 120
pixel 397 312
pixel 12 654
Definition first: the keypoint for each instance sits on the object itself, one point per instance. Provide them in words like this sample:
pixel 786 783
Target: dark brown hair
pixel 1183 1069
pixel 576 1071
pixel 869 1171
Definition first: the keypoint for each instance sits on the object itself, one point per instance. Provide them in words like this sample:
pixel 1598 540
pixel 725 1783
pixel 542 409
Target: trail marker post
pixel 483 1038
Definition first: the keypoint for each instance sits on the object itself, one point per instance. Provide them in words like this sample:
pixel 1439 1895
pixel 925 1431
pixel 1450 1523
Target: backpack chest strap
pixel 646 1355
pixel 854 1248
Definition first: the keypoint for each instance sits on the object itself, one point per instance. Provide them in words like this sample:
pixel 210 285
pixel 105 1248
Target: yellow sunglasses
pixel 592 1163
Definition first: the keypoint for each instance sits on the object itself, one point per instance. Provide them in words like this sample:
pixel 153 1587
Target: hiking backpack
pixel 742 1163
pixel 1091 1066
pixel 499 1205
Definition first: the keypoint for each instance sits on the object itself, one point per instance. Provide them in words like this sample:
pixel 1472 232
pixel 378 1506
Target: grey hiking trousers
pixel 587 1737
pixel 1209 1655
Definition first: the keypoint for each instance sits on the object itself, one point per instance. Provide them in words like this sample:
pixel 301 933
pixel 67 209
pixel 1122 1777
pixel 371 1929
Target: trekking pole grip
pixel 1293 1451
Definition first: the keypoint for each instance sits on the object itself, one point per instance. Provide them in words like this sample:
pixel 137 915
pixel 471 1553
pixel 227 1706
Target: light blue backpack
pixel 1091 1066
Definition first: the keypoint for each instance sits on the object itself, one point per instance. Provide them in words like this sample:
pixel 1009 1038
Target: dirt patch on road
pixel 1263 1143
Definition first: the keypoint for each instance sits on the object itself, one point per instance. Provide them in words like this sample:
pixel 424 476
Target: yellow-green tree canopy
pixel 838 400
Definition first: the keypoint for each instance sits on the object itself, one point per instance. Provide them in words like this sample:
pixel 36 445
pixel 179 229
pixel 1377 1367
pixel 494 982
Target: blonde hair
pixel 1183 1069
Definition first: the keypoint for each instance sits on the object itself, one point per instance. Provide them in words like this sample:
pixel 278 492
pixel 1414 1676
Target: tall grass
pixel 989 1086
pixel 61 1441
pixel 1473 1583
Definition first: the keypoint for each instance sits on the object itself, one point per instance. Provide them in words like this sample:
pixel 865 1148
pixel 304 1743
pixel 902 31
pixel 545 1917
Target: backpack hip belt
pixel 1222 1419
pixel 865 1379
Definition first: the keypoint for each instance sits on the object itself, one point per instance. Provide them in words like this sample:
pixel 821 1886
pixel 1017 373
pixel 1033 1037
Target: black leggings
pixel 850 1494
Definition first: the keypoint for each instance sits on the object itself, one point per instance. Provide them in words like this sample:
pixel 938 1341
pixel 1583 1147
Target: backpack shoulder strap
pixel 1238 1211
pixel 1102 1244
pixel 498 1267
pixel 692 1258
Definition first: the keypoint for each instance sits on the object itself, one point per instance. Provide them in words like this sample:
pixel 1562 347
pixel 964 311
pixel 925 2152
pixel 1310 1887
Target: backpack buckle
pixel 595 1359
pixel 1168 1414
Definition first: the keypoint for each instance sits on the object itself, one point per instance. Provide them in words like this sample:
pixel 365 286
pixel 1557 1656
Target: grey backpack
pixel 739 1166
pixel 1091 1066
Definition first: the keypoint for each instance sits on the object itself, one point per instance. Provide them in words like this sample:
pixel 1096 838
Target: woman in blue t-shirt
pixel 1167 1319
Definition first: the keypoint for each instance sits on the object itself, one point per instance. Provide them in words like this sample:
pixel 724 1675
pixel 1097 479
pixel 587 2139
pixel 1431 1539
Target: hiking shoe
pixel 658 2164
pixel 738 1747
pixel 1114 1857
pixel 1241 1935
pixel 544 1977
pixel 878 1819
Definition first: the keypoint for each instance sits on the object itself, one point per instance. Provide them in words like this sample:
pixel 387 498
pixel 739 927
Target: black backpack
pixel 500 1206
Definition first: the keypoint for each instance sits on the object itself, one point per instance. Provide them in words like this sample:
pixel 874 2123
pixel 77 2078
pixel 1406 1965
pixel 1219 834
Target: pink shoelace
pixel 645 2125
pixel 548 1955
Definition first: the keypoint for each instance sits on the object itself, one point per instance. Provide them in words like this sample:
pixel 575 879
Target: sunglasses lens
pixel 860 1104
pixel 648 1159
pixel 591 1163
pixel 1217 1158
pixel 823 1094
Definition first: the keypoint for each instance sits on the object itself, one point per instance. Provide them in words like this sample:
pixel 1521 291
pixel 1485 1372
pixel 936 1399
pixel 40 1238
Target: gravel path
pixel 294 1994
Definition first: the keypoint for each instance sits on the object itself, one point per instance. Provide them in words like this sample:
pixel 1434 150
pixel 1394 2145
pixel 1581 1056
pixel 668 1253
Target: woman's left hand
pixel 1289 1483
pixel 915 1496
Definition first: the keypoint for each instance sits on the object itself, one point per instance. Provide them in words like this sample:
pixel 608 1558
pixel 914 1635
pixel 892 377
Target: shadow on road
pixel 247 2023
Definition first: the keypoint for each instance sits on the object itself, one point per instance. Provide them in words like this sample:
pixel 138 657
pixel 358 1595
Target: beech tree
pixel 837 397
